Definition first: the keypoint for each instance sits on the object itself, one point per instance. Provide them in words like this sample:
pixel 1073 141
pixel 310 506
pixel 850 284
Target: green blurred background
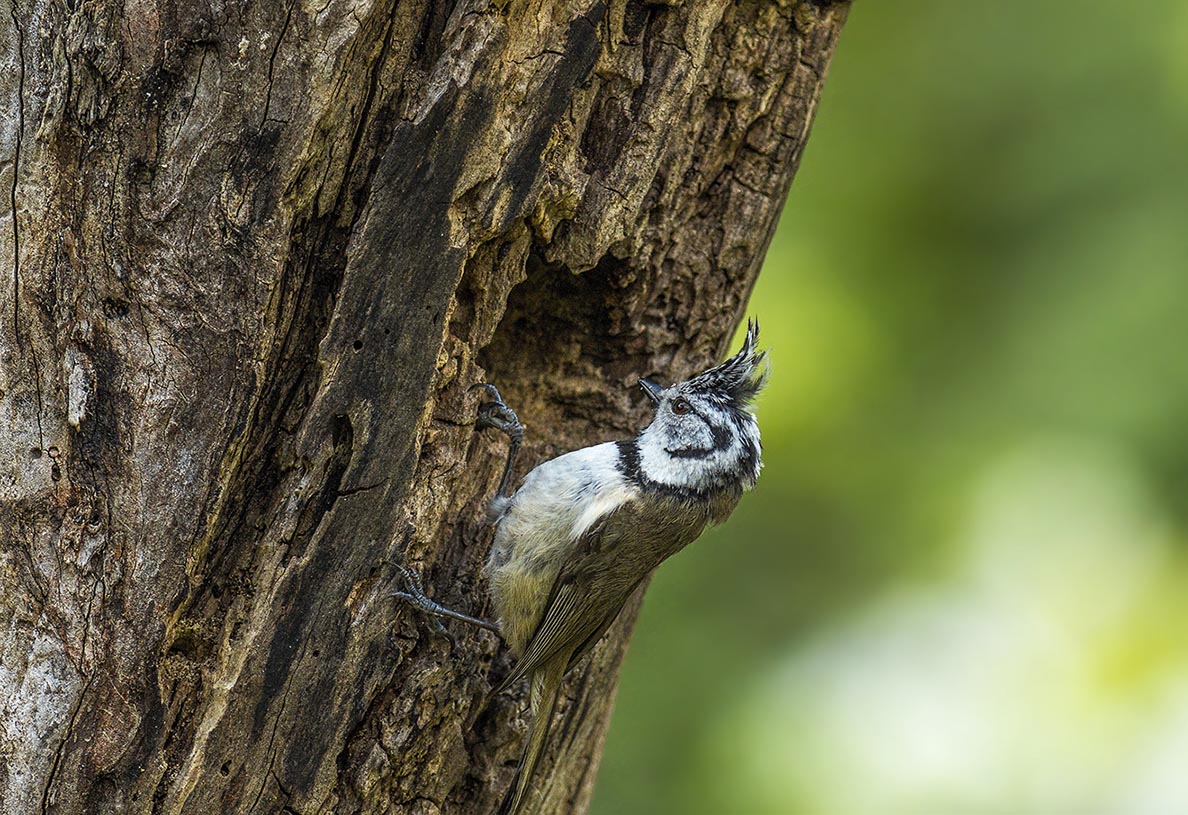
pixel 962 583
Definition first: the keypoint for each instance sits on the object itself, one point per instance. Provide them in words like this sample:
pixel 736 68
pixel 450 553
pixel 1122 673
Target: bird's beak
pixel 651 389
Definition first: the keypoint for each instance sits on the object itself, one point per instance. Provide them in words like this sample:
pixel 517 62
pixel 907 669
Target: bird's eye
pixel 680 407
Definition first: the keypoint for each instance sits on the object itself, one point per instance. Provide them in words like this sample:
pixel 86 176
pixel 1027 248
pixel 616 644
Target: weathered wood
pixel 257 255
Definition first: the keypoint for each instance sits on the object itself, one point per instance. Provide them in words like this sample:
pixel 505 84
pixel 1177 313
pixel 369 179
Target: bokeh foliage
pixel 962 584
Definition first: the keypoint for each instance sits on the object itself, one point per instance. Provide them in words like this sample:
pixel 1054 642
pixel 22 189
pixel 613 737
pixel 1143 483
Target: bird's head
pixel 704 435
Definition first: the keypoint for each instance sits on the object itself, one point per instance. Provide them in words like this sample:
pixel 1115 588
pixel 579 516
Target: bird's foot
pixel 494 412
pixel 413 594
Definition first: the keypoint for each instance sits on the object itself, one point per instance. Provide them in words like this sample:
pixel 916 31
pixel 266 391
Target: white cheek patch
pixel 692 434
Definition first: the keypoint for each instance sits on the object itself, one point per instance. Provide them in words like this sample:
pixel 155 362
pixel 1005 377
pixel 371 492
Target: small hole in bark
pixel 115 308
pixel 35 452
pixel 185 643
pixel 386 332
pixel 358 345
pixel 216 591
pixel 317 652
pixel 56 472
pixel 225 770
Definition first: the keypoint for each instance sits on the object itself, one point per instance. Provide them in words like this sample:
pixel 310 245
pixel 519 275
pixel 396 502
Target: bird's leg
pixel 414 595
pixel 492 413
pixel 495 413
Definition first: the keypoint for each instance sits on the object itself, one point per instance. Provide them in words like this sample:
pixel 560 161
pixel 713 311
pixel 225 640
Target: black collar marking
pixel 629 465
pixel 630 468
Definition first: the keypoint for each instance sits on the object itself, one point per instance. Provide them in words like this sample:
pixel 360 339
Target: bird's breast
pixel 557 504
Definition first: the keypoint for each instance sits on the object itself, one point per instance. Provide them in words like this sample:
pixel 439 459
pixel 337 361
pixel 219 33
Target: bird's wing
pixel 582 602
pixel 608 563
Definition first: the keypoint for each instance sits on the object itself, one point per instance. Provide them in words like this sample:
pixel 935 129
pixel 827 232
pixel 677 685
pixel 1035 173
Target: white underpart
pixel 561 499
pixel 601 505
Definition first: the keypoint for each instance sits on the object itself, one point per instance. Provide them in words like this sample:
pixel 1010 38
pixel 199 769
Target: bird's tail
pixel 546 684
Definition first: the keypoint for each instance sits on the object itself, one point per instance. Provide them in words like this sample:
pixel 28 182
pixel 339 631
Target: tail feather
pixel 546 685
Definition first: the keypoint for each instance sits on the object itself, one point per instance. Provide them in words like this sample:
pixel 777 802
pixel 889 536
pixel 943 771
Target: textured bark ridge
pixel 256 255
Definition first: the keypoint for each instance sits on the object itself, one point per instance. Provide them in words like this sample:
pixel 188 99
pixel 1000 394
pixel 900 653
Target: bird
pixel 586 528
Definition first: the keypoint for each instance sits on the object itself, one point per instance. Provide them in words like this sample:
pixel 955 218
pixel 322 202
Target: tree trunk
pixel 259 253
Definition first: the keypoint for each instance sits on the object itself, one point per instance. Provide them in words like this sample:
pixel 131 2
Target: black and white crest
pixel 739 379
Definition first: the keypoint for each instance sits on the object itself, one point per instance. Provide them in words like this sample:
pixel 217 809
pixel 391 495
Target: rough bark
pixel 257 255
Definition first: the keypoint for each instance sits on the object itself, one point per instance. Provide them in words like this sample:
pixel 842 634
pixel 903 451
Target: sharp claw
pixel 439 628
pixel 414 595
pixel 411 579
pixel 496 413
pixel 410 589
pixel 500 417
